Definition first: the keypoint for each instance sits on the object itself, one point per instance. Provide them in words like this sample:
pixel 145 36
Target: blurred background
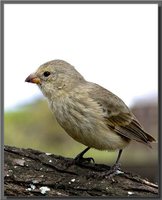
pixel 108 44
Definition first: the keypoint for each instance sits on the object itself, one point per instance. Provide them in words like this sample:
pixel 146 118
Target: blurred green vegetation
pixel 34 126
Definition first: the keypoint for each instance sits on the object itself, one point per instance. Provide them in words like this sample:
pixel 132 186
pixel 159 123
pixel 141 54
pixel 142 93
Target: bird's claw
pixel 81 160
pixel 116 167
pixel 114 170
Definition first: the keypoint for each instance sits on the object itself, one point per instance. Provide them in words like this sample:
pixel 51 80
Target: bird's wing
pixel 118 117
pixel 127 126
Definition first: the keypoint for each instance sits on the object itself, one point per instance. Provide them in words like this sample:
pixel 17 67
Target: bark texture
pixel 30 173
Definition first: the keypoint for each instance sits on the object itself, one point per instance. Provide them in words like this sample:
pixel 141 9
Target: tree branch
pixel 33 173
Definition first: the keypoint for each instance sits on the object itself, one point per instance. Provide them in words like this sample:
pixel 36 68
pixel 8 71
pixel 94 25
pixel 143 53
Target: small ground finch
pixel 89 113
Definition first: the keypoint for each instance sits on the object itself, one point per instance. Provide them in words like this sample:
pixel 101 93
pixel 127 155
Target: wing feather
pixel 118 116
pixel 128 128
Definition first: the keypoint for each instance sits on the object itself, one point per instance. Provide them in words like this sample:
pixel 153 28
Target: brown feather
pixel 119 118
pixel 122 125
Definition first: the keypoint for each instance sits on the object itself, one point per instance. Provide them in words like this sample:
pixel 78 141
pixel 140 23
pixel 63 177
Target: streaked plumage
pixel 89 113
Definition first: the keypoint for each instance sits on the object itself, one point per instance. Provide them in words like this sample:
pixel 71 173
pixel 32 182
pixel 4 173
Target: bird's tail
pixel 150 139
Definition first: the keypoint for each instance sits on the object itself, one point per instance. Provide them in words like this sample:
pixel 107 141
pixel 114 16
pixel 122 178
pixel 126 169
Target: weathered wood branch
pixel 33 173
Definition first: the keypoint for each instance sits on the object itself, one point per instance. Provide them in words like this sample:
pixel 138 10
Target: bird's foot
pixel 114 170
pixel 80 160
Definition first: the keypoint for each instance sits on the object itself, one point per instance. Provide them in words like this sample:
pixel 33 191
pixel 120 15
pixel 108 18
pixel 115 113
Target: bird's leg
pixel 79 158
pixel 116 166
pixel 114 169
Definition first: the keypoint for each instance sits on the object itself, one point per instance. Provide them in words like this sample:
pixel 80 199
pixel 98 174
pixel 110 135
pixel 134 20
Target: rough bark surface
pixel 33 173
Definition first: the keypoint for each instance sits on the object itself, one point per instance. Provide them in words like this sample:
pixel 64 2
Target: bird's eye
pixel 46 73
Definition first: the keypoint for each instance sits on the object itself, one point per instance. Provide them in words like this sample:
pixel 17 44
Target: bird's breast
pixel 83 121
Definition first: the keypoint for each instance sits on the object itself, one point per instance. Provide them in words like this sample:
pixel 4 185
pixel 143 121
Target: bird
pixel 89 113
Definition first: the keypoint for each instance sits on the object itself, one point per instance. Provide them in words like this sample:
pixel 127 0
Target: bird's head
pixel 55 77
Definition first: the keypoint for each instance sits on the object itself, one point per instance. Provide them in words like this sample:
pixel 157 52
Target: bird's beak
pixel 32 78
